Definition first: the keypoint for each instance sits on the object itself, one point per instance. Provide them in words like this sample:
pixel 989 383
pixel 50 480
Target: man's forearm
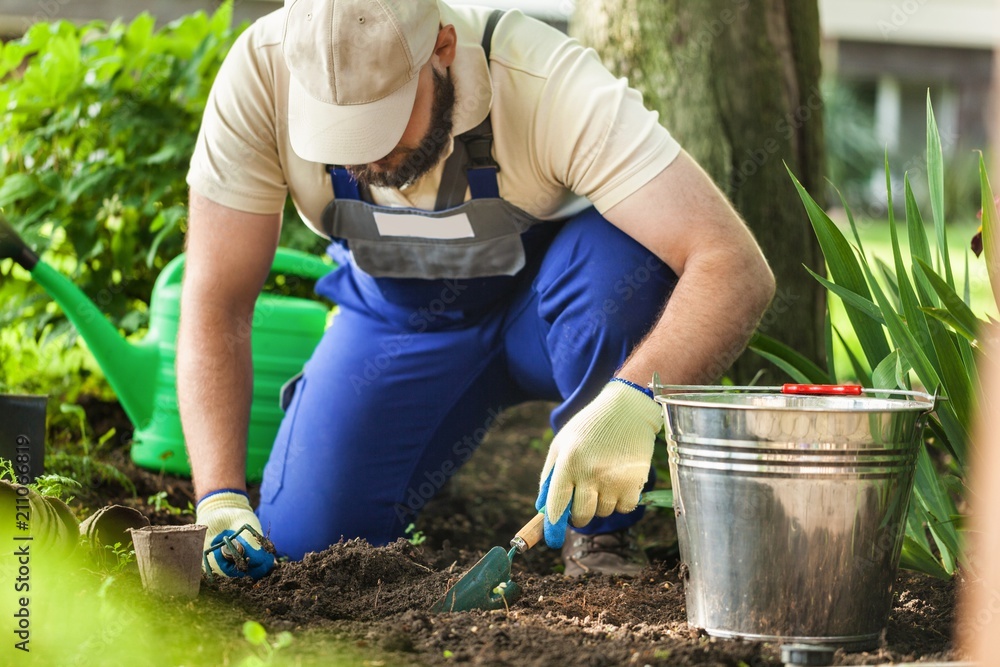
pixel 708 320
pixel 214 390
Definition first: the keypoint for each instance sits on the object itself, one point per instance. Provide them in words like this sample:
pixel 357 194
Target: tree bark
pixel 737 83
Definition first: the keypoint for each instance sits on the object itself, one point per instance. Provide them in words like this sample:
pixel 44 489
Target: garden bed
pixel 375 601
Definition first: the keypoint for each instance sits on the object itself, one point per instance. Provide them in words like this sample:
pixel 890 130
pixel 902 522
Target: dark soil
pixel 378 599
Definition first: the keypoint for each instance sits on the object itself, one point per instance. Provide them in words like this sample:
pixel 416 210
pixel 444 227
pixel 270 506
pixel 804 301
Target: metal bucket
pixel 790 508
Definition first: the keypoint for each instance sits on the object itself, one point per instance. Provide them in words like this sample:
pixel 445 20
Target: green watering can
pixel 285 330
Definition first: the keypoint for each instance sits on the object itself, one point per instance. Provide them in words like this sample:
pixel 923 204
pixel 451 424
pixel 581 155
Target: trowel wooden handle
pixel 530 535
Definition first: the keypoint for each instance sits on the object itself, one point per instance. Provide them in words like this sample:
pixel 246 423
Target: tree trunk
pixel 737 83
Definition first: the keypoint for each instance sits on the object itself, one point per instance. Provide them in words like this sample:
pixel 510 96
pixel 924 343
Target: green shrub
pixel 98 123
pixel 915 328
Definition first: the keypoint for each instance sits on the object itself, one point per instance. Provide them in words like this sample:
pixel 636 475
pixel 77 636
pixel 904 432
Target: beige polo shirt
pixel 566 132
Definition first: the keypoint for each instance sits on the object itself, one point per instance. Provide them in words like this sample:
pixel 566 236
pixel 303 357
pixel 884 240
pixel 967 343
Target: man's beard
pixel 416 161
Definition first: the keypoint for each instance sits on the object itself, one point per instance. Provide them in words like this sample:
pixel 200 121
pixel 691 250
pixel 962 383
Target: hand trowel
pixel 488 585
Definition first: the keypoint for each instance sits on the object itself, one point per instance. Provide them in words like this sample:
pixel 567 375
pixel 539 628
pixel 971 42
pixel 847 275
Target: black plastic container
pixel 22 434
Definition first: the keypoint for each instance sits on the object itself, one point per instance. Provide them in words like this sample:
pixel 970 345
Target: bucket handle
pixel 690 388
pixel 823 389
pixel 286 260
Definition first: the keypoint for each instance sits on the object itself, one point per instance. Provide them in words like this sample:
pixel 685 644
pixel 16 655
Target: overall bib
pixel 445 319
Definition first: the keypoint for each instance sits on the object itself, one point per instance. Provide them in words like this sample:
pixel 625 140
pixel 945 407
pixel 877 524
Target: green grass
pixel 876 241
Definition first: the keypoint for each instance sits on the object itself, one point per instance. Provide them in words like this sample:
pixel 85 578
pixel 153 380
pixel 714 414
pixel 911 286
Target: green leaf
pixel 935 185
pixel 828 344
pixel 955 305
pixel 73 409
pixel 254 633
pixel 890 210
pixel 919 559
pixel 283 640
pixel 947 318
pixel 902 374
pixel 16 187
pixel 915 231
pixel 139 32
pixel 967 285
pixel 845 271
pixel 990 228
pixel 932 495
pixel 903 338
pixel 954 375
pixel 862 304
pixel 222 18
pixel 860 372
pixel 884 375
pixel 916 321
pixel 796 365
pixel 658 498
pixel 889 278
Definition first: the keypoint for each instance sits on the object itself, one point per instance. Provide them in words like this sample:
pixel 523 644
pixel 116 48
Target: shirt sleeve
pixel 593 132
pixel 236 161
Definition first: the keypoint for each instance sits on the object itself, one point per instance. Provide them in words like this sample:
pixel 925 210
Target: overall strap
pixel 473 151
pixel 344 185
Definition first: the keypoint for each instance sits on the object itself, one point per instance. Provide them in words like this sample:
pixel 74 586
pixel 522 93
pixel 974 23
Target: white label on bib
pixel 407 224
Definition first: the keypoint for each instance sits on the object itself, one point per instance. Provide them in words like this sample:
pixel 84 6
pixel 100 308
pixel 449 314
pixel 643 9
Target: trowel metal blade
pixel 475 590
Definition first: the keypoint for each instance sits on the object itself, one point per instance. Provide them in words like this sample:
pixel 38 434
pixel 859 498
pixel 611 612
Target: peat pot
pixel 791 506
pixel 169 559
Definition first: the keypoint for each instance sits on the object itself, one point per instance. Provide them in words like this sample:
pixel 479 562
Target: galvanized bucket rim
pixel 688 395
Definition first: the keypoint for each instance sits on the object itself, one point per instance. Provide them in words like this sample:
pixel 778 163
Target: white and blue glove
pixel 235 545
pixel 599 461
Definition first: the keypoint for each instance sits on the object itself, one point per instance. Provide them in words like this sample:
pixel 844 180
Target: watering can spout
pixel 131 369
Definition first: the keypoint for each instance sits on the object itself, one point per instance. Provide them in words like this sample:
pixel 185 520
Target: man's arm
pixel 599 461
pixel 724 281
pixel 229 255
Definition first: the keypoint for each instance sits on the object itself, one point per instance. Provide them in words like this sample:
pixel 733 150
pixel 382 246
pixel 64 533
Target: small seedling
pixel 46 485
pixel 266 648
pixel 58 486
pixel 160 503
pixel 123 557
pixel 542 444
pixel 417 537
pixel 501 590
pixel 7 471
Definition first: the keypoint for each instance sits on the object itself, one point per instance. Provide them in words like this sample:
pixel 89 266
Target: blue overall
pixel 413 372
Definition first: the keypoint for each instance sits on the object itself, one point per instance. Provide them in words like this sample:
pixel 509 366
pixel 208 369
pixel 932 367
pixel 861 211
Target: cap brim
pixel 350 133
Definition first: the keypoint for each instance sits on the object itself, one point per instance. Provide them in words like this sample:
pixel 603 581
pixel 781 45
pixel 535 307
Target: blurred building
pixel 889 53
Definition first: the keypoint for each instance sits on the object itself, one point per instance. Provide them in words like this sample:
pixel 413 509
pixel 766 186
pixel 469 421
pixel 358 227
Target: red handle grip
pixel 823 389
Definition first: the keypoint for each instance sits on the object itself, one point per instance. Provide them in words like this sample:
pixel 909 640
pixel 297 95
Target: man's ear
pixel 444 48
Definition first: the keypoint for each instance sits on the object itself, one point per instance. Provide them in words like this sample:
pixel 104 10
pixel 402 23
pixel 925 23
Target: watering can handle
pixel 13 247
pixel 823 389
pixel 286 260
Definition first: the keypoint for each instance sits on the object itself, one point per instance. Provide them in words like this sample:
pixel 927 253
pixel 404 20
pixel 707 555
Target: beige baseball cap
pixel 354 67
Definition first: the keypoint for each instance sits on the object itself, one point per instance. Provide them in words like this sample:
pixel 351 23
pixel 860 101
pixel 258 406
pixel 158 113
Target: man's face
pixel 408 162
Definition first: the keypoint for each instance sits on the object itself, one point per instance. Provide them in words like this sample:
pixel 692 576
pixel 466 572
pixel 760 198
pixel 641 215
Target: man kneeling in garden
pixel 509 222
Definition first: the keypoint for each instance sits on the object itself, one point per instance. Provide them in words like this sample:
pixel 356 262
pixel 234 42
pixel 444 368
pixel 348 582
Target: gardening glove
pixel 599 461
pixel 238 545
